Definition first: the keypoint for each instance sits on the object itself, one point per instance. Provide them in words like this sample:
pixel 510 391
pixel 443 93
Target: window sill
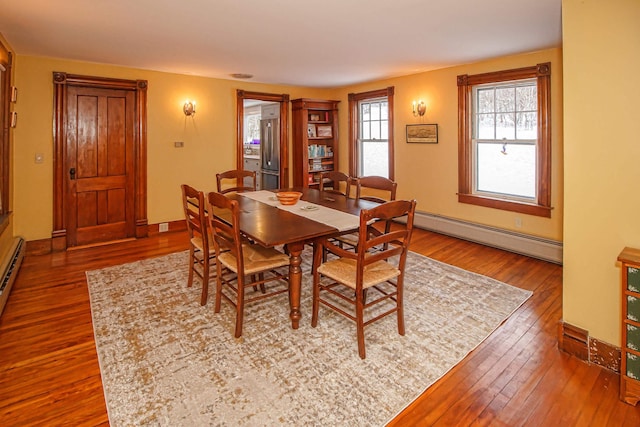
pixel 513 206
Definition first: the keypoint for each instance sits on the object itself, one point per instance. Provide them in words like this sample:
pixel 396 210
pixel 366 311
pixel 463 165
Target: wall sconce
pixel 189 108
pixel 419 108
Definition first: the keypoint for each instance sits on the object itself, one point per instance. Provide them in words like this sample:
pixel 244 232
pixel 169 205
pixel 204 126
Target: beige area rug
pixel 167 361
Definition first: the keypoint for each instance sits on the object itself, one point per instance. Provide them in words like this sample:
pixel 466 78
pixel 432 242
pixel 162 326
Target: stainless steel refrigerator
pixel 270 153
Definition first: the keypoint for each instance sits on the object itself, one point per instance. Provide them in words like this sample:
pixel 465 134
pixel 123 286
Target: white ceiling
pixel 319 43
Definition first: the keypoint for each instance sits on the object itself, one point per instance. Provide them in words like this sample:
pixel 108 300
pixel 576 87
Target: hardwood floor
pixel 49 373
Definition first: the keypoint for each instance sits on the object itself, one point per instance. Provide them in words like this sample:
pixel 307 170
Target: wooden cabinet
pixel 315 140
pixel 252 164
pixel 270 111
pixel 630 342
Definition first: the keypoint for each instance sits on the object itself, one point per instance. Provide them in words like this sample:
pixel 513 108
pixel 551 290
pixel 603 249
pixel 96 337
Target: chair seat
pixel 256 259
pixel 343 270
pixel 350 239
pixel 196 241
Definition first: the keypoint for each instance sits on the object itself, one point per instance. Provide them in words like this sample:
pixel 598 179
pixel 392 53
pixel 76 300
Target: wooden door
pixel 100 164
pixel 100 182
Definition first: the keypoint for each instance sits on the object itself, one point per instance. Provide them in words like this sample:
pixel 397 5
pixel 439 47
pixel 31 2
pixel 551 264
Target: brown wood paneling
pixel 115 200
pixel 573 340
pixel 38 247
pixel 179 225
pixel 116 145
pixel 87 208
pixel 604 354
pixel 85 110
pixel 101 183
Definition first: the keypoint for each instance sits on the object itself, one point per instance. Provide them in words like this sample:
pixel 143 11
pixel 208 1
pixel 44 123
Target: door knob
pixel 72 173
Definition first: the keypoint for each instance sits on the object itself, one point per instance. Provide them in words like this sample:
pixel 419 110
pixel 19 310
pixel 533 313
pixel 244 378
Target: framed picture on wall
pixel 423 133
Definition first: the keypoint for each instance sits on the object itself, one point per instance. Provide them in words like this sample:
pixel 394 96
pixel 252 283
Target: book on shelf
pixel 315 150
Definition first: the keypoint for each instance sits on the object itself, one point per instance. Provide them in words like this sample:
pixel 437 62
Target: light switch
pixel 178 144
pixel 39 158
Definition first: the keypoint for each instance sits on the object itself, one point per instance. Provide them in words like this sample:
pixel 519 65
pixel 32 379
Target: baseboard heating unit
pixel 533 246
pixel 9 268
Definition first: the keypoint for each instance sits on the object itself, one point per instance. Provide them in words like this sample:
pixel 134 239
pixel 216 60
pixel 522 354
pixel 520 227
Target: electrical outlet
pixel 163 227
pixel 178 144
pixel 518 222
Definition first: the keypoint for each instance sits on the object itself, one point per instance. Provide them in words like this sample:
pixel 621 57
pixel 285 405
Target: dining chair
pixel 240 263
pixel 201 251
pixel 332 182
pixel 233 181
pixel 375 189
pixel 352 275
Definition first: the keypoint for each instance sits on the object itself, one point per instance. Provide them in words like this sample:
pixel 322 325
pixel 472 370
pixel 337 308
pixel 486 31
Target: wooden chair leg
pixel 400 305
pixel 262 288
pixel 316 299
pixel 218 289
pixel 205 282
pixel 360 323
pixel 316 283
pixel 192 262
pixel 239 308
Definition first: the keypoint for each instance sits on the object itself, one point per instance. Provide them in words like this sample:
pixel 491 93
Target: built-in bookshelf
pixel 315 140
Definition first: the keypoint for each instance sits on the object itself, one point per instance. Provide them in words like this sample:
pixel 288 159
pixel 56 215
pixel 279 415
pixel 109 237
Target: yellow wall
pixel 429 173
pixel 602 148
pixel 209 137
pixel 423 171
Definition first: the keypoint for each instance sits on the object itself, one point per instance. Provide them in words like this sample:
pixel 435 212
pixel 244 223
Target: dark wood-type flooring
pixel 49 373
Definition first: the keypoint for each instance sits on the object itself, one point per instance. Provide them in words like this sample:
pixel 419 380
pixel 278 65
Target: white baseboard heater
pixel 535 247
pixel 9 267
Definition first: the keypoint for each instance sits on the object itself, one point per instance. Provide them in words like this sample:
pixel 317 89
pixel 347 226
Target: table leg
pixel 295 282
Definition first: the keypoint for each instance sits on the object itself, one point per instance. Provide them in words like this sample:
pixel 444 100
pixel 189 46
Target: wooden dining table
pixel 271 226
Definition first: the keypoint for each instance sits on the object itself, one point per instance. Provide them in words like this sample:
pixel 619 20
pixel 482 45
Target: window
pixel 505 140
pixel 373 141
pixel 252 116
pixel 371 133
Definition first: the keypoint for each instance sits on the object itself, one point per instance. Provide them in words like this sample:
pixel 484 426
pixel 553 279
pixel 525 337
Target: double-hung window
pixel 370 133
pixel 504 147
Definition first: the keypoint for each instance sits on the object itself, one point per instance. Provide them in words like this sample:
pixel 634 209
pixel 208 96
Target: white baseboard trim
pixel 535 247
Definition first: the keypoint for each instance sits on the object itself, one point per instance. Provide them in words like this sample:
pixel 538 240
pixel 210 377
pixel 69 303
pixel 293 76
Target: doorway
pixel 242 136
pixel 100 160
